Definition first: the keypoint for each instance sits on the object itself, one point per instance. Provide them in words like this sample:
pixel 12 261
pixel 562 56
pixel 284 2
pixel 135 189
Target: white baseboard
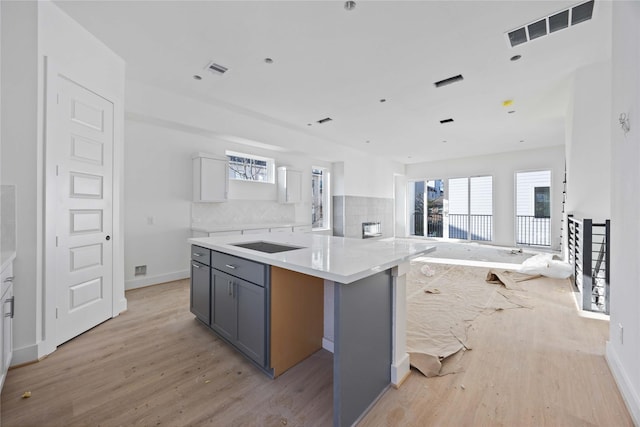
pixel 400 370
pixel 154 280
pixel 25 354
pixel 327 344
pixel 629 394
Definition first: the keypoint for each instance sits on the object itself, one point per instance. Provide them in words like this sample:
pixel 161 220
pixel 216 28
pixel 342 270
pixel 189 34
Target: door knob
pixel 108 237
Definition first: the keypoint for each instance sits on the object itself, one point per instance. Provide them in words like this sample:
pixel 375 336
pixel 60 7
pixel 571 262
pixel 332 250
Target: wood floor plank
pixel 528 367
pixel 157 365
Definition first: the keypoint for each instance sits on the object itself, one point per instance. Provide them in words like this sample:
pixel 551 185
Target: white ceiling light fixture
pixel 350 5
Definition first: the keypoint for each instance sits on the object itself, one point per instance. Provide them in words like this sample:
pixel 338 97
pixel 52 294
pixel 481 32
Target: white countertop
pixel 340 259
pixel 206 228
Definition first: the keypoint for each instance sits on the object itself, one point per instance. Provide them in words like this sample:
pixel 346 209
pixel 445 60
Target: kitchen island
pixel 310 291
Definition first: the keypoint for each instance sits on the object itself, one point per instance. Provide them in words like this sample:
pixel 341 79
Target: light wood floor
pixel 156 365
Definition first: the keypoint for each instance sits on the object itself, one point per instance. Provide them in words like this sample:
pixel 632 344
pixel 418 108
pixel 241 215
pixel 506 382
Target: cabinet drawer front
pixel 251 271
pixel 200 254
pixel 201 291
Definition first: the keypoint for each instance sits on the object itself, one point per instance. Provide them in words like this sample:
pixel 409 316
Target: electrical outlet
pixel 621 328
pixel 141 270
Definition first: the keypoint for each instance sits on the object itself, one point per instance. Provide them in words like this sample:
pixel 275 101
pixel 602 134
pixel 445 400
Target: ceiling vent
pixel 552 23
pixel 217 68
pixel 449 81
pixel 325 120
pixel 446 121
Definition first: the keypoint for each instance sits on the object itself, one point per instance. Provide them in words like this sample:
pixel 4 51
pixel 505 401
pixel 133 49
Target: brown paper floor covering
pixel 443 301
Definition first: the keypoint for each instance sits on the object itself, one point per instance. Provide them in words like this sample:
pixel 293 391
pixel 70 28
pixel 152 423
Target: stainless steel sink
pixel 267 247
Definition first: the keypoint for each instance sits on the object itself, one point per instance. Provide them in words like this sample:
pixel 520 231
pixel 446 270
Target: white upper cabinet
pixel 210 178
pixel 289 185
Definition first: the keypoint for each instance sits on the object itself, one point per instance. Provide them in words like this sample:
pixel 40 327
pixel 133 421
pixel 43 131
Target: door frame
pixel 52 70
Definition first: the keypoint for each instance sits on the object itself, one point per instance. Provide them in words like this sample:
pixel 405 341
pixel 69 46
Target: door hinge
pixel 56 241
pixel 57 98
pixel 56 312
pixel 57 170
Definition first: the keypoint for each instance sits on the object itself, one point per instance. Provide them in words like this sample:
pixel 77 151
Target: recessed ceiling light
pixel 507 102
pixel 408 157
pixel 308 124
pixel 516 57
pixel 350 5
pixel 325 120
pixel 522 140
pixel 268 60
pixel 446 121
pixel 511 111
pixel 383 100
pixel 444 141
pixel 197 77
pixel 367 141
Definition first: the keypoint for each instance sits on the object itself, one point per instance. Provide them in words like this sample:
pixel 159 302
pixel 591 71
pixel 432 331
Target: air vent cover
pixel 550 24
pixel 582 12
pixel 449 80
pixel 558 21
pixel 217 68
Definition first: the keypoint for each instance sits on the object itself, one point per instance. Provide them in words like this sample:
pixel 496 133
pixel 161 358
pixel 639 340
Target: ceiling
pixel 330 62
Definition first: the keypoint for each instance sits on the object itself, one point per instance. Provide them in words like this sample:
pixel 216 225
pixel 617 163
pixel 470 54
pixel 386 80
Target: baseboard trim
pixel 25 355
pixel 629 394
pixel 400 371
pixel 327 344
pixel 154 280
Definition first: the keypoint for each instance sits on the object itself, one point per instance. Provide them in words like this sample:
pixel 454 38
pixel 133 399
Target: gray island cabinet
pixel 233 307
pixel 277 308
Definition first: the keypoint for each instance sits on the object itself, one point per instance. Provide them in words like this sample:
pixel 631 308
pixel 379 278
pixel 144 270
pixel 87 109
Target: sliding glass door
pixel 471 208
pixel 533 208
pixel 426 210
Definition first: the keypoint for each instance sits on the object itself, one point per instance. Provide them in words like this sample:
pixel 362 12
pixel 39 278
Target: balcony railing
pixel 532 231
pixel 418 224
pixel 588 252
pixel 480 227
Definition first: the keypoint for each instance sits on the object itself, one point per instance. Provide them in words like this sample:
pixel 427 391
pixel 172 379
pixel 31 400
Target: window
pixel 471 208
pixel 533 208
pixel 246 167
pixel 320 198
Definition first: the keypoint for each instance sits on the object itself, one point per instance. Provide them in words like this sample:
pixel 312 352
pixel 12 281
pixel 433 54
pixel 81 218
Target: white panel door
pixel 83 153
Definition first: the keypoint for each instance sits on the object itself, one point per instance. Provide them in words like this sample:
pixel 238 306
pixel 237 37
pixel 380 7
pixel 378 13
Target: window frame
pixel 325 198
pixel 270 167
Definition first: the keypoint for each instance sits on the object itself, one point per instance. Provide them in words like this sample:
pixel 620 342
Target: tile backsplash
pixel 349 212
pixel 242 212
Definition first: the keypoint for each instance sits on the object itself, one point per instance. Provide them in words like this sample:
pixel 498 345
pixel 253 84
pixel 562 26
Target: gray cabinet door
pixel 200 291
pixel 223 305
pixel 250 334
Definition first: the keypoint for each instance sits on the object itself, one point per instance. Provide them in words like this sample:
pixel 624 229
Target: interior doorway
pixel 79 164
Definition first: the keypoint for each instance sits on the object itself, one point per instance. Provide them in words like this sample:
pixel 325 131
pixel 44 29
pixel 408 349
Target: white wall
pixel 158 177
pixel 623 350
pixel 369 176
pixel 20 153
pixel 588 147
pixel 32 31
pixel 503 168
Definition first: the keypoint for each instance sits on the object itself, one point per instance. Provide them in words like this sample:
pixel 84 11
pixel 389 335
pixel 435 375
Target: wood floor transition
pixel 156 365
